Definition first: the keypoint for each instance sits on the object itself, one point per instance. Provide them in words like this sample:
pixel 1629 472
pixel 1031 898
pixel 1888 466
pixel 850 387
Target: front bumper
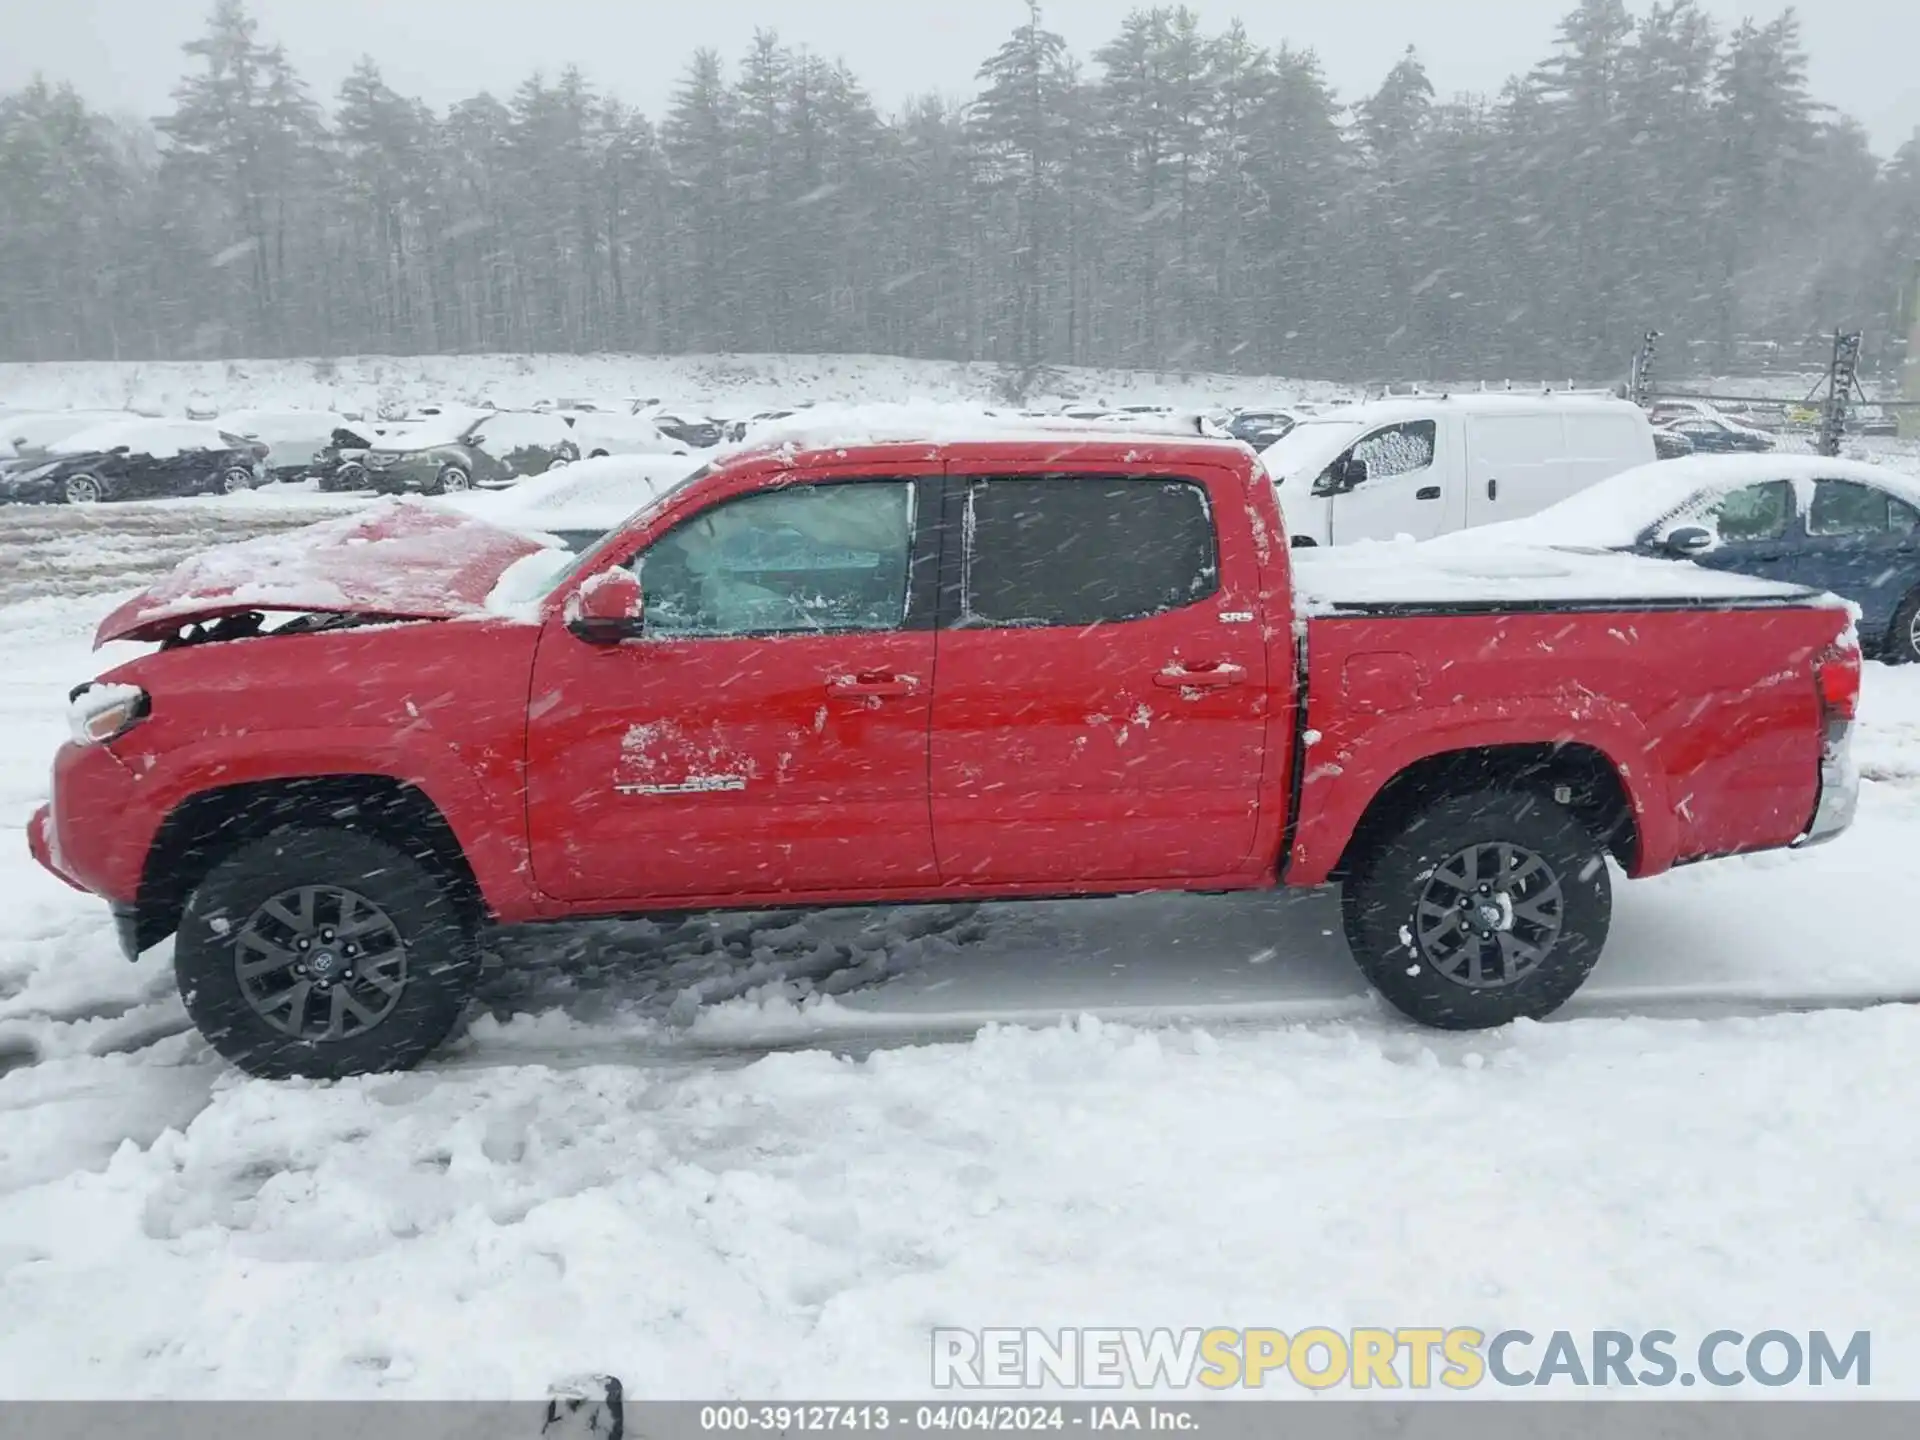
pixel 43 843
pixel 1839 794
pixel 29 492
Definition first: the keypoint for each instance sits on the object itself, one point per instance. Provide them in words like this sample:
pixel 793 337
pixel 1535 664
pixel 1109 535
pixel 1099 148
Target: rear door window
pixel 1846 507
pixel 1075 551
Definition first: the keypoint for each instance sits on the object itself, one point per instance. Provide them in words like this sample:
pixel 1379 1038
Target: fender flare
pixel 491 835
pixel 1342 780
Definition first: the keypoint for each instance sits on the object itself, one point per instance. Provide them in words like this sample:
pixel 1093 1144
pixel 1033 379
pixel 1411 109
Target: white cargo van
pixel 1427 465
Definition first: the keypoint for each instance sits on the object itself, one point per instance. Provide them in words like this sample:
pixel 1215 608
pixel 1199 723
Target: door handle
pixel 1493 489
pixel 873 682
pixel 1199 676
pixel 1427 492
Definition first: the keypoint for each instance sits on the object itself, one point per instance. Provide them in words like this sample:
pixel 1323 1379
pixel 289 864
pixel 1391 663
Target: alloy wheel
pixel 1488 915
pixel 82 490
pixel 320 962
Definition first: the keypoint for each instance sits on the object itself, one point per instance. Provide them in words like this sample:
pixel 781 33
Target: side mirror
pixel 607 609
pixel 1341 476
pixel 1687 540
pixel 1302 542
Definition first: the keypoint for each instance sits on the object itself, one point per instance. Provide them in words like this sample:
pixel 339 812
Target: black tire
pixel 425 988
pixel 1404 884
pixel 233 480
pixel 349 475
pixel 83 490
pixel 452 480
pixel 1902 645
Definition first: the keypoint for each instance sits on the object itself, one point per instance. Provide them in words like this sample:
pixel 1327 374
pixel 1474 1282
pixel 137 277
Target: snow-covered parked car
pixel 579 503
pixel 25 435
pixel 296 440
pixel 1841 526
pixel 132 459
pixel 447 453
pixel 598 432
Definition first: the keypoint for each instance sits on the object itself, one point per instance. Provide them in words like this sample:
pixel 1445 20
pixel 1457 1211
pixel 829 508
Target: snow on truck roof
pixel 851 427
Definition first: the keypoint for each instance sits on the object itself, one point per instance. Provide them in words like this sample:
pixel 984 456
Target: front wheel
pixel 453 481
pixel 323 953
pixel 83 490
pixel 1481 909
pixel 234 479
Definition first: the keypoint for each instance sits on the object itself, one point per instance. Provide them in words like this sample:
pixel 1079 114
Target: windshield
pixel 1309 446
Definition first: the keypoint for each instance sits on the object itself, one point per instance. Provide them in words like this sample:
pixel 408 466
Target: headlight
pixel 98 713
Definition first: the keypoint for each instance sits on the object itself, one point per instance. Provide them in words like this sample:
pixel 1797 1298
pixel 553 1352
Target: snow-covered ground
pixel 728 384
pixel 764 1155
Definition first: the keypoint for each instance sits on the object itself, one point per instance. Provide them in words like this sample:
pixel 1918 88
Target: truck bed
pixel 1697 690
pixel 1399 577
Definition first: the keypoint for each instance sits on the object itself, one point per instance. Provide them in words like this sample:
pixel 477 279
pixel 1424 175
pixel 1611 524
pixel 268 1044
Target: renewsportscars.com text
pixel 1405 1358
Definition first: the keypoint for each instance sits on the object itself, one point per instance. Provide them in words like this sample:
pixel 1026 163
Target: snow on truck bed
pixel 1373 574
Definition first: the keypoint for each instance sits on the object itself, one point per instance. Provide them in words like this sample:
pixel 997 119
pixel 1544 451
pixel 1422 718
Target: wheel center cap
pixel 323 962
pixel 1497 913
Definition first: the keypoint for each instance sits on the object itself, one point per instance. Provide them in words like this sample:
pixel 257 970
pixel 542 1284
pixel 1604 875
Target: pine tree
pixel 245 133
pixel 1018 123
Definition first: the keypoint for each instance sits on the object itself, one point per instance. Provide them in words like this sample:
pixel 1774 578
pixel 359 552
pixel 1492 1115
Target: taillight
pixel 99 713
pixel 1837 674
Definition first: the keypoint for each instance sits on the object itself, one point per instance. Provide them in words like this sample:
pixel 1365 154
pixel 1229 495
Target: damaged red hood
pixel 399 560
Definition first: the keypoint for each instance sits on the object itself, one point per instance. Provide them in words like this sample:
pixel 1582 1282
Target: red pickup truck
pixel 1028 665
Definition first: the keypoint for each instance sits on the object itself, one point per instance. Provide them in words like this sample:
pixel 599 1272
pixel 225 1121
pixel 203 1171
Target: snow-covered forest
pixel 1190 194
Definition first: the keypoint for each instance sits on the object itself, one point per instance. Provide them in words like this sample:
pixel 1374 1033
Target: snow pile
pixel 397 558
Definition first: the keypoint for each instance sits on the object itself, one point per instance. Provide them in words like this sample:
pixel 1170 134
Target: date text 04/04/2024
pixel 987 1418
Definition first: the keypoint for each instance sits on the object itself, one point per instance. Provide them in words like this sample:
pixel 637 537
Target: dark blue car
pixel 1835 525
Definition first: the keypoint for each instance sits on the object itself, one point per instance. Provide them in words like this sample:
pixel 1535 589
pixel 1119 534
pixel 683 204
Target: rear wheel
pixel 348 475
pixel 1903 636
pixel 83 490
pixel 452 480
pixel 1481 909
pixel 323 953
pixel 234 479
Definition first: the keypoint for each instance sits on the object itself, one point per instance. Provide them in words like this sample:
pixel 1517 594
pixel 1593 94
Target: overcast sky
pixel 124 54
